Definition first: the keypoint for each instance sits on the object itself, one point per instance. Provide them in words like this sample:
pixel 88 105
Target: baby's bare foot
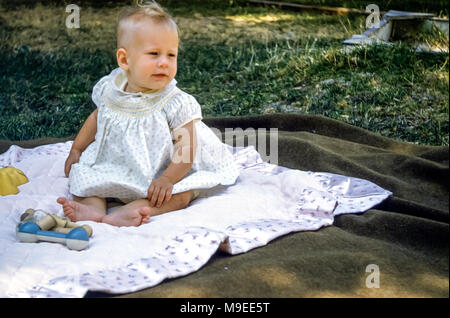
pixel 128 217
pixel 76 211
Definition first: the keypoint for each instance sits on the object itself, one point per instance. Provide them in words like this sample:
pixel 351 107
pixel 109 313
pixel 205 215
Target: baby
pixel 145 144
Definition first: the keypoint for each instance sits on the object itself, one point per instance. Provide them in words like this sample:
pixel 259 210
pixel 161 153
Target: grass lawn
pixel 235 59
pixel 438 7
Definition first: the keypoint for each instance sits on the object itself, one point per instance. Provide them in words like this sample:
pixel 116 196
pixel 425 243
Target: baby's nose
pixel 163 62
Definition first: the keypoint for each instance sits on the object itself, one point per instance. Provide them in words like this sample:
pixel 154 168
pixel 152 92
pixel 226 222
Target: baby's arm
pixel 160 190
pixel 83 139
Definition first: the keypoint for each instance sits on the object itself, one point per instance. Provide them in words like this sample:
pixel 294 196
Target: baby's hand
pixel 159 191
pixel 74 157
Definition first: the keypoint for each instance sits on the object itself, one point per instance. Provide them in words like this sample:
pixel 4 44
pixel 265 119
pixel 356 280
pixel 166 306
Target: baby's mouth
pixel 161 75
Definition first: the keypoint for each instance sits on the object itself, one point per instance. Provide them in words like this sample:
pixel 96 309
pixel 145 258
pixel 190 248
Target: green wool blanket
pixel 396 249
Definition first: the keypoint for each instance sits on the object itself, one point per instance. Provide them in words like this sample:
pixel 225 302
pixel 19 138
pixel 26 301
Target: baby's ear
pixel 122 60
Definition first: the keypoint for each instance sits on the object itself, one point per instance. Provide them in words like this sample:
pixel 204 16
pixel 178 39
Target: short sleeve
pixel 182 109
pixel 97 91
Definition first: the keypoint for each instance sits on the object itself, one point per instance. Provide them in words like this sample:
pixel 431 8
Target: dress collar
pixel 120 79
pixel 135 104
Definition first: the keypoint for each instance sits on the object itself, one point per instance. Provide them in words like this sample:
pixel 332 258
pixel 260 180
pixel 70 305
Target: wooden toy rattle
pixel 38 225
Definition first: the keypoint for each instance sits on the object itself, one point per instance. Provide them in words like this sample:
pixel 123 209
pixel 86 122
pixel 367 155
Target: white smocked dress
pixel 133 144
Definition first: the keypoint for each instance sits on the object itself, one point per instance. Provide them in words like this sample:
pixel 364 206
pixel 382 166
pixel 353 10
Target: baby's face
pixel 152 56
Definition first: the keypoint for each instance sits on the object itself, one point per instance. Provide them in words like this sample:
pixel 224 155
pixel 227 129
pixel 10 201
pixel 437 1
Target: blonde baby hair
pixel 134 14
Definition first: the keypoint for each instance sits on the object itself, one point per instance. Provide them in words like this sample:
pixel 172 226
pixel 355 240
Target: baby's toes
pixel 69 211
pixel 61 200
pixel 70 215
pixel 145 219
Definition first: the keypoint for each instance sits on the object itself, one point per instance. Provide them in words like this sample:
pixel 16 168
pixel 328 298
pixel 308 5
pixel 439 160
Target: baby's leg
pixel 84 209
pixel 139 212
pixel 177 202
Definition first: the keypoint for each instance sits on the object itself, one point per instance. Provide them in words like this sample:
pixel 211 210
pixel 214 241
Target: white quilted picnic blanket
pixel 266 202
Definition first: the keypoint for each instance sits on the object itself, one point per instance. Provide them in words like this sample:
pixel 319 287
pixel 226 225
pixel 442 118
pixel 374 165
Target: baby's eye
pixel 172 55
pixel 153 53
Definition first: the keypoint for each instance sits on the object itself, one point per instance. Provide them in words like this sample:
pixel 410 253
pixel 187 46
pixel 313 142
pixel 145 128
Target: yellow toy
pixel 10 178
